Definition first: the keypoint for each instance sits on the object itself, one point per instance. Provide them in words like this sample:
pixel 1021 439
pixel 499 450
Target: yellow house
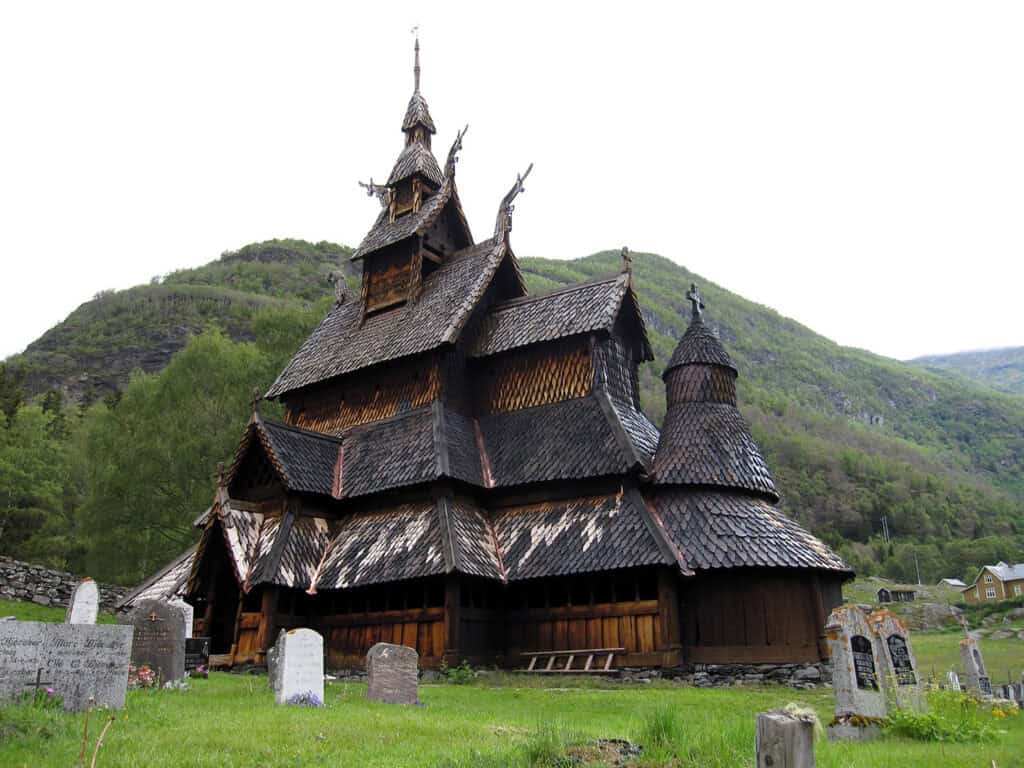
pixel 996 582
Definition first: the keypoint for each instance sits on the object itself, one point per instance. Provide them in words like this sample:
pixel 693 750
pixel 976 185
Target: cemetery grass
pixel 24 611
pixel 231 720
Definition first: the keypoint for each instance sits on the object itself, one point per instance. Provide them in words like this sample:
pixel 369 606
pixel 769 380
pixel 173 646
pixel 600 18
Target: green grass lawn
pixel 231 720
pixel 32 612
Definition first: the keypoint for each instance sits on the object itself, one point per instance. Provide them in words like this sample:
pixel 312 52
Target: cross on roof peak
pixel 696 301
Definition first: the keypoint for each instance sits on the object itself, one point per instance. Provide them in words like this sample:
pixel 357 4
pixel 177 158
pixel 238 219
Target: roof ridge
pixel 367 426
pixel 520 300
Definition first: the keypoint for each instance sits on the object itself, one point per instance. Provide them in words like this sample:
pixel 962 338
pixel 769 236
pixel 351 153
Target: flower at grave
pixel 50 692
pixel 307 699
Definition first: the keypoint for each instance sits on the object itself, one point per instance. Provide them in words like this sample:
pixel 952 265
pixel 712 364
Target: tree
pixel 12 394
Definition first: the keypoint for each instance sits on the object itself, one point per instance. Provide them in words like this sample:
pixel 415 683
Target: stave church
pixel 464 468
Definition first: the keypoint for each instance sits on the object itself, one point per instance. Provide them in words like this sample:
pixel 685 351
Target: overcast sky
pixel 858 166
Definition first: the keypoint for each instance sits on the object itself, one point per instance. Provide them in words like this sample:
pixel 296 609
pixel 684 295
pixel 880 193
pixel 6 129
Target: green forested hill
pixel 1001 369
pixel 850 436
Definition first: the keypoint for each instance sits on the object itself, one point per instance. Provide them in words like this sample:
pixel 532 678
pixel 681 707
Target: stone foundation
pixel 44 586
pixel 801 676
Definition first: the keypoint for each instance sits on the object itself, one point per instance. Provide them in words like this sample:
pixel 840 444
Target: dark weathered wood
pixel 784 741
pixel 268 619
pixel 668 617
pixel 452 600
pixel 601 610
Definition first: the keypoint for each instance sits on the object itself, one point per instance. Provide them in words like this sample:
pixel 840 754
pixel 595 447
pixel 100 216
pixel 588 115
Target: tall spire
pixel 416 66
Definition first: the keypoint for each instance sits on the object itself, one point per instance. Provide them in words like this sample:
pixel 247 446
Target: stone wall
pixel 803 676
pixel 43 586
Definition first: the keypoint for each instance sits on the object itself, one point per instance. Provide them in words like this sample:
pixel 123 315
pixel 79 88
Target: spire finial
pixel 254 401
pixel 416 66
pixel 627 260
pixel 696 301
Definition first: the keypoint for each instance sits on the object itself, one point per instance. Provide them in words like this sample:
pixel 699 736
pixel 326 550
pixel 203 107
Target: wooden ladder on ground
pixel 588 667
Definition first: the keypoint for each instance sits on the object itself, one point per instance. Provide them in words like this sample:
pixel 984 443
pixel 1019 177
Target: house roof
pixel 723 529
pixel 577 309
pixel 1002 571
pixel 699 345
pixel 952 582
pixel 709 444
pixel 344 342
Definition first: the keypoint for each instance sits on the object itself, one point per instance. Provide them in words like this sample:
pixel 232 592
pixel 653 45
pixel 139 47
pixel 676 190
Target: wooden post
pixel 268 619
pixel 452 600
pixel 820 619
pixel 668 616
pixel 784 741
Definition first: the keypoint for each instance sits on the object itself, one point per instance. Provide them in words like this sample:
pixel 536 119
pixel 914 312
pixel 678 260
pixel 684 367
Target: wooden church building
pixel 465 468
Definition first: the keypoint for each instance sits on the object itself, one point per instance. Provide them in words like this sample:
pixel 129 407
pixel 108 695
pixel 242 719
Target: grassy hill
pixel 851 436
pixel 1001 369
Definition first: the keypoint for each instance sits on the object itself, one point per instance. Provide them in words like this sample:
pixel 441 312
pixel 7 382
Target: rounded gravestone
pixel 392 674
pixel 84 604
pixel 159 639
pixel 299 668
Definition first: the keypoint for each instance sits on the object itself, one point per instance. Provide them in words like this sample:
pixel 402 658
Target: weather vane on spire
pixel 416 66
pixel 698 303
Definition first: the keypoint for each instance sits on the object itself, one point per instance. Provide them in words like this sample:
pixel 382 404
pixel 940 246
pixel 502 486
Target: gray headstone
pixel 392 674
pixel 273 653
pixel 188 613
pixel 159 640
pixel 85 603
pixel 78 661
pixel 974 667
pixel 856 672
pixel 299 668
pixel 900 673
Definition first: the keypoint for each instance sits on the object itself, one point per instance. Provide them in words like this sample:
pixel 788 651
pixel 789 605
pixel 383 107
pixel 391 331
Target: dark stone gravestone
pixel 392 674
pixel 864 663
pixel 85 664
pixel 901 664
pixel 159 640
pixel 197 653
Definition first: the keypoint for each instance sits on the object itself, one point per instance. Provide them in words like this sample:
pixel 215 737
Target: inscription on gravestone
pixel 159 640
pixel 901 664
pixel 197 652
pixel 78 661
pixel 864 663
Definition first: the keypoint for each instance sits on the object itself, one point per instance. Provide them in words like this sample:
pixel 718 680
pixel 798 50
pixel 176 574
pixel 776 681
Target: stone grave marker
pixel 856 671
pixel 188 613
pixel 898 667
pixel 974 667
pixel 82 663
pixel 85 603
pixel 159 639
pixel 197 653
pixel 273 654
pixel 392 674
pixel 299 668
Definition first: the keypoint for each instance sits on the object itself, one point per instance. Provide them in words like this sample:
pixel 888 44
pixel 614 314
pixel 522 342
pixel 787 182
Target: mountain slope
pixel 1001 369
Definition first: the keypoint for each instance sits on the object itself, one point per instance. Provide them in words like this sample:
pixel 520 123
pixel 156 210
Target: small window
pixel 990 593
pixel 988 578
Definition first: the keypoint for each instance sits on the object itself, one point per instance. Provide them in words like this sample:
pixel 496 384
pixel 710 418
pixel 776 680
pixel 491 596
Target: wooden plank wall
pixel 751 616
pixel 633 626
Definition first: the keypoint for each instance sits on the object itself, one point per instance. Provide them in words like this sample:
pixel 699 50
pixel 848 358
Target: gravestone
pixel 854 651
pixel 273 654
pixel 197 653
pixel 84 605
pixel 188 614
pixel 392 674
pixel 82 663
pixel 159 639
pixel 898 668
pixel 953 680
pixel 978 681
pixel 299 668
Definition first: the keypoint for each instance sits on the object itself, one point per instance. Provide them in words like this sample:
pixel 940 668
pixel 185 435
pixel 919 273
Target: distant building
pixel 996 582
pixel 951 583
pixel 895 595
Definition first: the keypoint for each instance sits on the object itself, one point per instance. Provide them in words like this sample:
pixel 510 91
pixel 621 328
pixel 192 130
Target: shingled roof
pixel 582 308
pixel 344 342
pixel 710 444
pixel 417 113
pixel 722 529
pixel 303 460
pixel 166 584
pixel 584 535
pixel 699 345
pixel 416 158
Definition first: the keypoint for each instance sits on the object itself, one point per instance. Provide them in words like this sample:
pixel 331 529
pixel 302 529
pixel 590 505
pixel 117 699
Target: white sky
pixel 858 166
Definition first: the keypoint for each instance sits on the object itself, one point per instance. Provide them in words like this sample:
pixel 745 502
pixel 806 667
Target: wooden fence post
pixel 784 741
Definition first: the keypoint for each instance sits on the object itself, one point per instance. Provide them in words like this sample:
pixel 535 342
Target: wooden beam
pixel 452 599
pixel 268 618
